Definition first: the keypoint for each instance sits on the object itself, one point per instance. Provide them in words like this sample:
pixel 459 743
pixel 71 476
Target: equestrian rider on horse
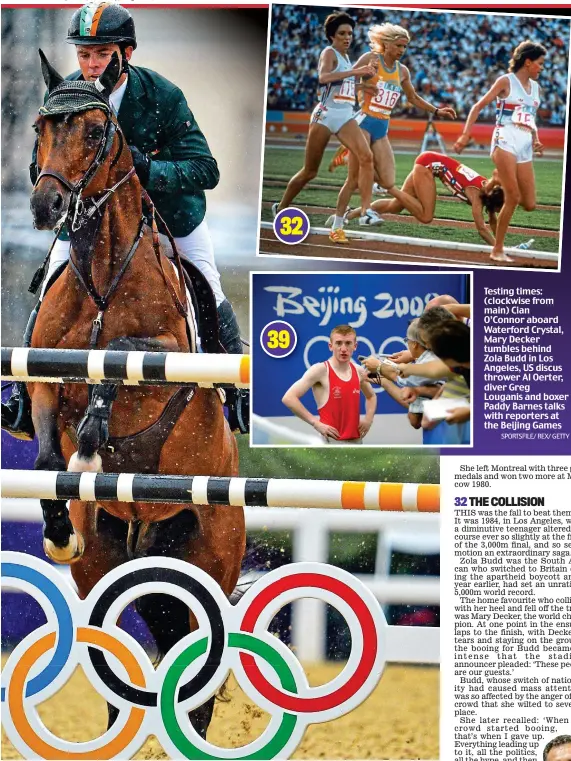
pixel 173 162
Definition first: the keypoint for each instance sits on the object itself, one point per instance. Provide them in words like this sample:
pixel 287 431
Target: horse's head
pixel 76 130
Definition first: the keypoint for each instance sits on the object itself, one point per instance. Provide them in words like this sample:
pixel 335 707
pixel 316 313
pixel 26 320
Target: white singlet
pixel 336 99
pixel 515 120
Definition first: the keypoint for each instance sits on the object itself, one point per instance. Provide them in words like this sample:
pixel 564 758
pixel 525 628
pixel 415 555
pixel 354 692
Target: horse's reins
pixel 102 302
pixel 82 215
pixel 182 306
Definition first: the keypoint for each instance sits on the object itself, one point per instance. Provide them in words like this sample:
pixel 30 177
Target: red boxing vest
pixel 341 410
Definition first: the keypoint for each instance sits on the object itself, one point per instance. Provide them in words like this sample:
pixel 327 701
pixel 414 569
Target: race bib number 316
pixel 386 97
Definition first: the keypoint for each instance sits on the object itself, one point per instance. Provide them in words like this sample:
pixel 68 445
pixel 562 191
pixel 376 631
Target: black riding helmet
pixel 102 23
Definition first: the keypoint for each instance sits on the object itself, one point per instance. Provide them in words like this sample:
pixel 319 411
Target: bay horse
pixel 120 292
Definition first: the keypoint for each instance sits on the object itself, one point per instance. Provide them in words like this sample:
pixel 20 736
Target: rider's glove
pixel 142 164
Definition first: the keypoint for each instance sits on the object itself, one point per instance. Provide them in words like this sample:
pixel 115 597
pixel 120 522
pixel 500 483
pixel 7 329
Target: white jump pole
pixel 204 490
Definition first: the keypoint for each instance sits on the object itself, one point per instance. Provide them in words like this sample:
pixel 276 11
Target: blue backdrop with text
pixel 378 306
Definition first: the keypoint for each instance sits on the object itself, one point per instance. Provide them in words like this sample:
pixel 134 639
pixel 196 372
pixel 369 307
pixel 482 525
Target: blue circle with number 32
pixel 278 339
pixel 291 226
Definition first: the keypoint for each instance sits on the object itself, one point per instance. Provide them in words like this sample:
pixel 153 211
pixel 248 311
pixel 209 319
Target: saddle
pixel 204 306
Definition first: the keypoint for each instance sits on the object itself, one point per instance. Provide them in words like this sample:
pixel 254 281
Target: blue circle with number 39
pixel 291 226
pixel 278 339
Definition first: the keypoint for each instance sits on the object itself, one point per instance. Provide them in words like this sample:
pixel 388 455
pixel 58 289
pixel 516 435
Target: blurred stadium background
pixel 197 49
pixel 453 59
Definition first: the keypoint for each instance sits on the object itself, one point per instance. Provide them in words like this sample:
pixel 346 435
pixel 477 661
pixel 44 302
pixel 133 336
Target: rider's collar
pixel 116 96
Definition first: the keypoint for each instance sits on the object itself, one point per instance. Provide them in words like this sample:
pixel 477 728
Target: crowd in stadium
pixel 453 59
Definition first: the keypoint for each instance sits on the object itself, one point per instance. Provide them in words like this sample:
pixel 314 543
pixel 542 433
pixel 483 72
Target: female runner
pixel 515 137
pixel 418 194
pixel 381 94
pixel 334 114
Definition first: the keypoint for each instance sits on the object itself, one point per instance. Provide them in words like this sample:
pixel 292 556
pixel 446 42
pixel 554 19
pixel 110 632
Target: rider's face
pixel 93 59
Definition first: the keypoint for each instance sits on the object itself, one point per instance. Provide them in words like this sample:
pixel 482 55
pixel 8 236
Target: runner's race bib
pixel 346 92
pixel 318 114
pixel 524 116
pixel 466 172
pixel 386 98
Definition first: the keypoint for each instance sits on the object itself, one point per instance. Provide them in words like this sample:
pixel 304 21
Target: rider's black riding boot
pixel 228 329
pixel 237 399
pixel 17 412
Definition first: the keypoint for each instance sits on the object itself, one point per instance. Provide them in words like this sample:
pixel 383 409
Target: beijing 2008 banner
pixel 379 306
pixel 228 638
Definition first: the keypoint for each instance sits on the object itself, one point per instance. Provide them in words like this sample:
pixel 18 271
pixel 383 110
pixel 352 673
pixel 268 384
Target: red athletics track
pixel 320 246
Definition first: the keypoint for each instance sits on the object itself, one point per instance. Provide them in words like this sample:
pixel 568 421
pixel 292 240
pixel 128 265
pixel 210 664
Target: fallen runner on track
pixel 418 193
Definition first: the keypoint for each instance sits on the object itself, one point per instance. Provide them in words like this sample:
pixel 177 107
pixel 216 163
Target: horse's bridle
pixel 63 103
pixel 77 206
pixel 79 213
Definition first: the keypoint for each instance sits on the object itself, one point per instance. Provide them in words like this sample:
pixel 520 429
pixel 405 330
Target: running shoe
pixel 330 220
pixel 338 236
pixel 275 209
pixel 378 190
pixel 341 157
pixel 370 217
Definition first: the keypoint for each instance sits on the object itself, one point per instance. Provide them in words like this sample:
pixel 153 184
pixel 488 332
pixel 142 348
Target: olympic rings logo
pixel 228 638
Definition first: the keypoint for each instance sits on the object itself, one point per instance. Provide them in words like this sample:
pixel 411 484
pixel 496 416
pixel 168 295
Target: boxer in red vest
pixel 336 385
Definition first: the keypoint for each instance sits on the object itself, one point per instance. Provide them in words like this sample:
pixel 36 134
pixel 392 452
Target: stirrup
pixel 238 403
